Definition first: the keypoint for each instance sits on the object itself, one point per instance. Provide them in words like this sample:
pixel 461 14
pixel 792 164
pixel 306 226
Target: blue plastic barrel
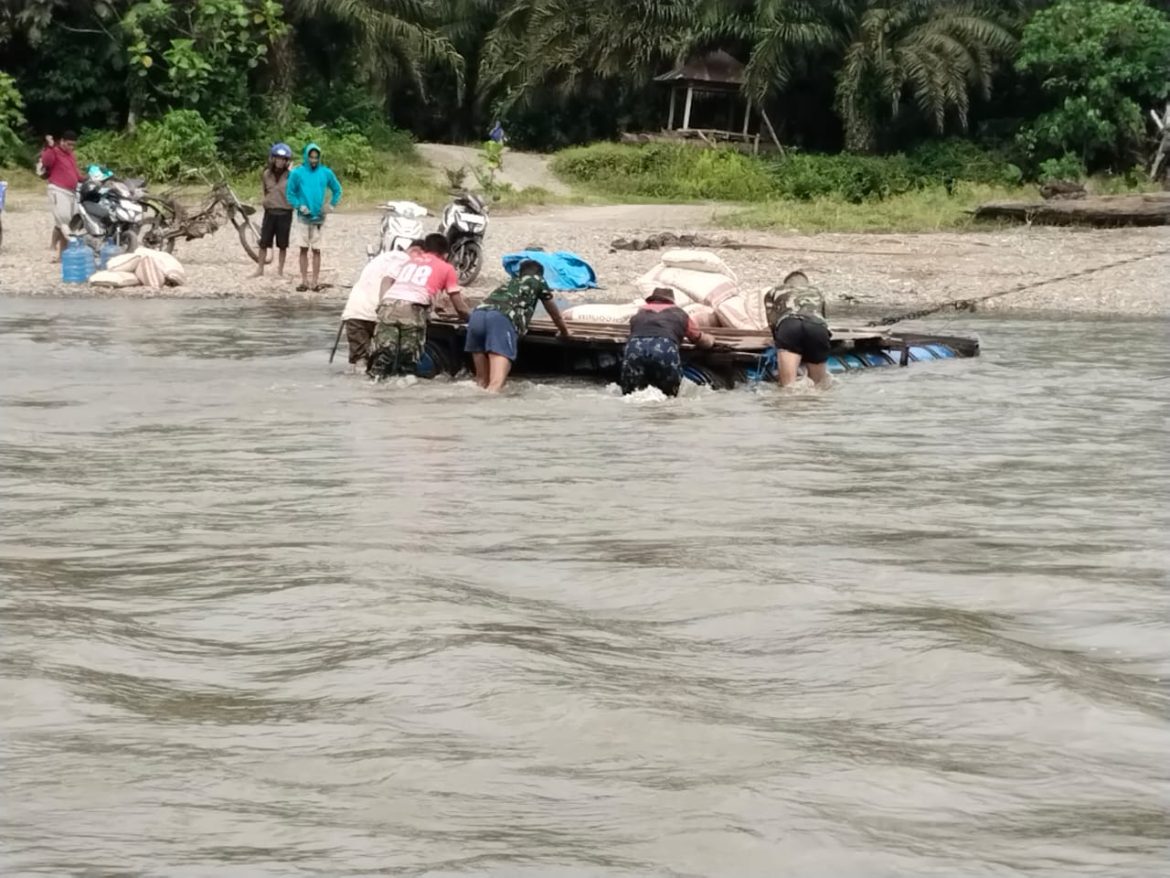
pixel 918 354
pixel 941 351
pixel 76 263
pixel 835 365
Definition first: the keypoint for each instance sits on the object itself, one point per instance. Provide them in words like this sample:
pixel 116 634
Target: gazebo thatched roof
pixel 715 69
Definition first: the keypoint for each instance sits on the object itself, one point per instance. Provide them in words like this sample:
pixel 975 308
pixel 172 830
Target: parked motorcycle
pixel 401 224
pixel 171 221
pixel 464 223
pixel 109 210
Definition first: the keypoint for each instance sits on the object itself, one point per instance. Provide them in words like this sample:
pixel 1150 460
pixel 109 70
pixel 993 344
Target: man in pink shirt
pixel 60 164
pixel 406 300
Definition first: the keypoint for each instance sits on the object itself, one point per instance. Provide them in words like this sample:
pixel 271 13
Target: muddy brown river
pixel 258 618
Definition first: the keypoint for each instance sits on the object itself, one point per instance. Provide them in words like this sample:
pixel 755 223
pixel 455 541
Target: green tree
pixel 570 45
pixel 884 53
pixel 1099 63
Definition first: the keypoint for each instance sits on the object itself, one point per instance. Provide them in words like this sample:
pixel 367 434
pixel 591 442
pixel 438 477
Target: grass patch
pixel 927 210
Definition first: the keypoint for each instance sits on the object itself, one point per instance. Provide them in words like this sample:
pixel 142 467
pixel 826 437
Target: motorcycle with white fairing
pixel 464 224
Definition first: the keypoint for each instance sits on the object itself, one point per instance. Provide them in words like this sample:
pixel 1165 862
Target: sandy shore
pixel 894 272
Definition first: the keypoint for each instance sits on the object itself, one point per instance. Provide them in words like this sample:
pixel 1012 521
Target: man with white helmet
pixel 278 213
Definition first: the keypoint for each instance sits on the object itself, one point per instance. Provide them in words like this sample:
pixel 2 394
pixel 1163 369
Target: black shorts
pixel 808 338
pixel 276 225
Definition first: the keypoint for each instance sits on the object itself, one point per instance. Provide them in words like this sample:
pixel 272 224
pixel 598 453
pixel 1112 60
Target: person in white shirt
pixel 361 310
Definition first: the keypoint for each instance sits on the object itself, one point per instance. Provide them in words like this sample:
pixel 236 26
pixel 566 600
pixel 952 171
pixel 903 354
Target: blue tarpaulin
pixel 562 270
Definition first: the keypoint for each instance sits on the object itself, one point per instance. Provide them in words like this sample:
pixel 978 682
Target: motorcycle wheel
pixel 152 234
pixel 467 258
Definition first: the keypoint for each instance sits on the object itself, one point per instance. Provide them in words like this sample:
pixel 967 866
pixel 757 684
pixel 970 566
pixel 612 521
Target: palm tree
pixel 884 51
pixel 392 39
pixel 567 45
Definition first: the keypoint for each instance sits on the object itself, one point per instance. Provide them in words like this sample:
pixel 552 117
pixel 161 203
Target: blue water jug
pixel 109 251
pixel 76 263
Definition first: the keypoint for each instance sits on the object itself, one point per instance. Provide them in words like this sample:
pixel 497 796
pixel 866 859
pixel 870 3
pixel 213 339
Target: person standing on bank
pixel 307 185
pixel 796 313
pixel 496 325
pixel 59 164
pixel 277 224
pixel 652 357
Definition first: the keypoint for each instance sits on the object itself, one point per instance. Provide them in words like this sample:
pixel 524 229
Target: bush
pixel 166 149
pixel 345 150
pixel 1067 167
pixel 934 161
pixel 11 120
pixel 662 170
pixel 679 171
pixel 853 178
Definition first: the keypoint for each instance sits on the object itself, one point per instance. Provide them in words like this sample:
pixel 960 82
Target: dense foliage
pixel 1068 81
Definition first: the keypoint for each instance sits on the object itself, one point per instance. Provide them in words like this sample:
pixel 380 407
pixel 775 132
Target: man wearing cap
pixel 496 326
pixel 652 356
pixel 796 313
pixel 60 168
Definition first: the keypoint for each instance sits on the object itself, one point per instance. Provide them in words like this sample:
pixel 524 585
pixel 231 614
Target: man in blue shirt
pixel 307 185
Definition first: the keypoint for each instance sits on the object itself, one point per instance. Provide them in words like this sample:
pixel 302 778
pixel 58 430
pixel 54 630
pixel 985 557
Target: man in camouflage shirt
pixel 796 313
pixel 495 327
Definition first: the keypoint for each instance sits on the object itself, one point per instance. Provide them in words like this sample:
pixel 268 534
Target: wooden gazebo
pixel 714 73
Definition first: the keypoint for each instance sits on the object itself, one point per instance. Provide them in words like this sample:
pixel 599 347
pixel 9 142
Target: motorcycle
pixel 464 223
pixel 171 221
pixel 109 210
pixel 401 224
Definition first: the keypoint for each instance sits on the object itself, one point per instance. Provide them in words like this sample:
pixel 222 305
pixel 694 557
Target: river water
pixel 258 618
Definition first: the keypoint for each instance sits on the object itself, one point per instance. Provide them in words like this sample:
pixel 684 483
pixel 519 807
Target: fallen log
pixel 1152 209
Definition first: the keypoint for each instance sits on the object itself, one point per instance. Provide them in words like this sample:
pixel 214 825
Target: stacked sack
pixel 143 267
pixel 703 285
pixel 707 289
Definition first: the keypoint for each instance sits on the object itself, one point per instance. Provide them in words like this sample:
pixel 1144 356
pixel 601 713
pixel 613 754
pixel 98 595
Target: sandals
pixel 302 288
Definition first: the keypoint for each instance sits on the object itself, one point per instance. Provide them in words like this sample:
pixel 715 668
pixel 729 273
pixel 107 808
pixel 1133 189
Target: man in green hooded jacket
pixel 307 185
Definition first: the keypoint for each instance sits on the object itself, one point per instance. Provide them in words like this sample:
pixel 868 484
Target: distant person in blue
pixel 307 185
pixel 497 133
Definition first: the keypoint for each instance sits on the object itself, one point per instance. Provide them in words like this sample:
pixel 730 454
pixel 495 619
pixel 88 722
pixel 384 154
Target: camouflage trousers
pixel 399 338
pixel 651 362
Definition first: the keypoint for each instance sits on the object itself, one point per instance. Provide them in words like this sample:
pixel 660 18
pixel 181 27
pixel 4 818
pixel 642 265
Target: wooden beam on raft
pixel 1152 209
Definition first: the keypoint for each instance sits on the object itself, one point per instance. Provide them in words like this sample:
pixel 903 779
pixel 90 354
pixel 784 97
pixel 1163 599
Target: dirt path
pixel 522 170
pixel 886 271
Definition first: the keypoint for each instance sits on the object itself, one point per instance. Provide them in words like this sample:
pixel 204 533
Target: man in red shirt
pixel 406 300
pixel 60 164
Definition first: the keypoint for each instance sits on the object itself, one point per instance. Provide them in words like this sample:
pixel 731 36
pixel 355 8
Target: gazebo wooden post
pixel 687 109
pixel 747 115
pixel 670 120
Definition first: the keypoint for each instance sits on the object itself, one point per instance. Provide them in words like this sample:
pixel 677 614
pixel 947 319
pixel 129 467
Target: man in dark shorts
pixel 796 313
pixel 652 357
pixel 278 212
pixel 495 327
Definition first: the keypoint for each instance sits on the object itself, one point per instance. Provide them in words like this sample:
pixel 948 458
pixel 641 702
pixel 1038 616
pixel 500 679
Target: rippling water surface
pixel 261 619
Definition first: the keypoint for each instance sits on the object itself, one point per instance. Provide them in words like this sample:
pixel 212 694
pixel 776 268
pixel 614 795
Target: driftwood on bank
pixel 666 240
pixel 1152 209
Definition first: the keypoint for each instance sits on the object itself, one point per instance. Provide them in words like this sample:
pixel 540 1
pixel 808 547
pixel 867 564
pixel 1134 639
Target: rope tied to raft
pixel 971 303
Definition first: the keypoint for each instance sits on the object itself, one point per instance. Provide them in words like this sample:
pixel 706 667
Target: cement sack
pixel 738 312
pixel 701 287
pixel 697 260
pixel 703 315
pixel 757 313
pixel 114 279
pixel 154 268
pixel 600 313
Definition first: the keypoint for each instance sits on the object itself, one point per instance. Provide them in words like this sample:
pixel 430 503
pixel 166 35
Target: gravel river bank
pixel 863 271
